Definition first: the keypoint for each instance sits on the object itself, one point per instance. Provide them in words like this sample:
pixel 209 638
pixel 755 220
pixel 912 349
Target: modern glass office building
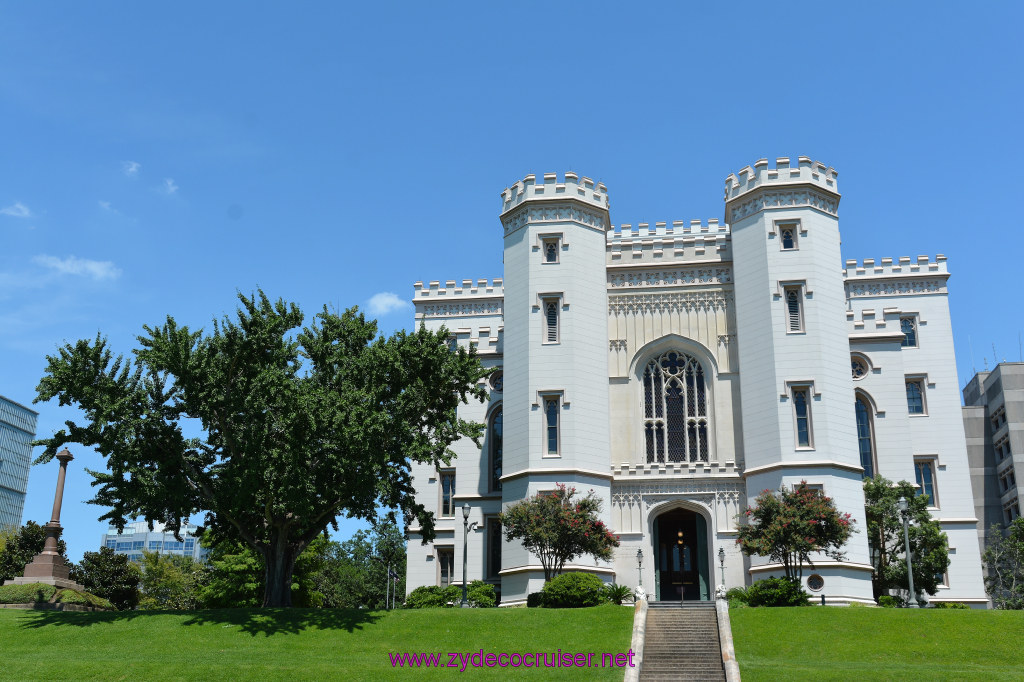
pixel 137 537
pixel 17 430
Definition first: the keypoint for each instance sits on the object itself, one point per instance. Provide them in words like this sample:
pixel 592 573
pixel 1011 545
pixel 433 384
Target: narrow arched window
pixel 494 448
pixel 865 438
pixel 676 415
pixel 788 242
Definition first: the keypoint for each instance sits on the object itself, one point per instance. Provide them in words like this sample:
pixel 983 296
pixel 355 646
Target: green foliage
pixel 960 606
pixel 432 596
pixel 171 581
pixel 1004 565
pixel 928 544
pixel 19 545
pixel 738 594
pixel 888 601
pixel 534 600
pixel 617 594
pixel 573 590
pixel 83 598
pixel 777 592
pixel 26 594
pixel 362 566
pixel 481 595
pixel 111 576
pixel 790 525
pixel 558 528
pixel 234 577
pixel 299 424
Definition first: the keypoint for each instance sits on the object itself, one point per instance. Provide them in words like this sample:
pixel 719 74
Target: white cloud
pixel 17 210
pixel 98 270
pixel 169 187
pixel 105 205
pixel 386 302
pixel 131 168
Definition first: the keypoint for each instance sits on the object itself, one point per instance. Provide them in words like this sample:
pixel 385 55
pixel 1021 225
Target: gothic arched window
pixel 676 415
pixel 494 448
pixel 865 437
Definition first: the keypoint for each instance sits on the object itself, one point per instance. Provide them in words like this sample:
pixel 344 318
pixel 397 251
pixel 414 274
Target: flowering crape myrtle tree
pixel 558 528
pixel 299 424
pixel 1004 562
pixel 789 525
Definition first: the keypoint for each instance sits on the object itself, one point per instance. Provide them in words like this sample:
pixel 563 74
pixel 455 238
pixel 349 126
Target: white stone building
pixel 678 369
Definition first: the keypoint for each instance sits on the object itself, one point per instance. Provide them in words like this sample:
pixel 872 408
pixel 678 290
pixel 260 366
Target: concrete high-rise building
pixel 17 431
pixel 994 421
pixel 678 369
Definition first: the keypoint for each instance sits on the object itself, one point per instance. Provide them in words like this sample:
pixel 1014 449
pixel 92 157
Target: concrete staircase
pixel 682 642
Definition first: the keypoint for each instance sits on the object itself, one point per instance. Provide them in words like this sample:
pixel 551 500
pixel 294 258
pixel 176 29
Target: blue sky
pixel 157 157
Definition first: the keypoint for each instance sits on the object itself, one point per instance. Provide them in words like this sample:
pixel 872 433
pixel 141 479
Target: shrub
pixel 534 600
pixel 83 598
pixel 887 601
pixel 26 594
pixel 617 594
pixel 481 594
pixel 432 596
pixel 737 593
pixel 109 575
pixel 573 590
pixel 777 592
pixel 950 605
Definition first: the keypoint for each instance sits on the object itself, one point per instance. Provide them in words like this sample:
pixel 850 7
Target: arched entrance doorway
pixel 681 548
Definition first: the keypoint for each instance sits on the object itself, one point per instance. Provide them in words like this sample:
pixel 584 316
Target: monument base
pixel 60 583
pixel 48 569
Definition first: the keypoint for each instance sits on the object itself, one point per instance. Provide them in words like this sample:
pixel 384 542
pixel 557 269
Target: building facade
pixel 17 431
pixel 994 422
pixel 137 537
pixel 679 369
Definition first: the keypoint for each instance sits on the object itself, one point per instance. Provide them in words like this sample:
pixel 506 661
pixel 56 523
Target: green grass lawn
pixel 877 644
pixel 298 644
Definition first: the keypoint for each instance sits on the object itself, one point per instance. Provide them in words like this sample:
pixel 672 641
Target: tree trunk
pixel 279 559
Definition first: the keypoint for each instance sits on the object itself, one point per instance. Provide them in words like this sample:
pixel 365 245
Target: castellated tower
pixel 555 408
pixel 794 349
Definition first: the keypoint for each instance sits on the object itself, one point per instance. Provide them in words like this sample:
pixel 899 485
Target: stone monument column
pixel 48 566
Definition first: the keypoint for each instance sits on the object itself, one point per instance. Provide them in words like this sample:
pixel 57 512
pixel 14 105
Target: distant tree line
pixel 328 574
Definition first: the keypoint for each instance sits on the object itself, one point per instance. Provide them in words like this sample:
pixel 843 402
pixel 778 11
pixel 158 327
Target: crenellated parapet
pixel 900 277
pixel 675 241
pixel 468 298
pixel 784 173
pixel 808 183
pixel 901 267
pixel 573 198
pixel 452 289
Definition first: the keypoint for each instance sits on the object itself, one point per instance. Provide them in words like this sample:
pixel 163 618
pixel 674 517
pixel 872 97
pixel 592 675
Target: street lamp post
pixel 640 567
pixel 721 563
pixel 465 541
pixel 905 514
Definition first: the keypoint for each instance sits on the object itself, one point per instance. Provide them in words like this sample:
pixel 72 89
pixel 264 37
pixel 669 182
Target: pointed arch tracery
pixel 675 409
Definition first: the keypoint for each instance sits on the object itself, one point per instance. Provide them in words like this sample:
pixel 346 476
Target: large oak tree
pixel 296 425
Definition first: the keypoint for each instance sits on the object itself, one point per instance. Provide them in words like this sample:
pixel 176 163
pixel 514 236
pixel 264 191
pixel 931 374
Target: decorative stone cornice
pixel 895 287
pixel 466 309
pixel 639 304
pixel 651 493
pixel 674 277
pixel 760 200
pixel 551 212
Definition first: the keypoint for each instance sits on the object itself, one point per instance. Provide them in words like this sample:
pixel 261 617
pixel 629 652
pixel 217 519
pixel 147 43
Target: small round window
pixel 497 381
pixel 815 582
pixel 858 367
